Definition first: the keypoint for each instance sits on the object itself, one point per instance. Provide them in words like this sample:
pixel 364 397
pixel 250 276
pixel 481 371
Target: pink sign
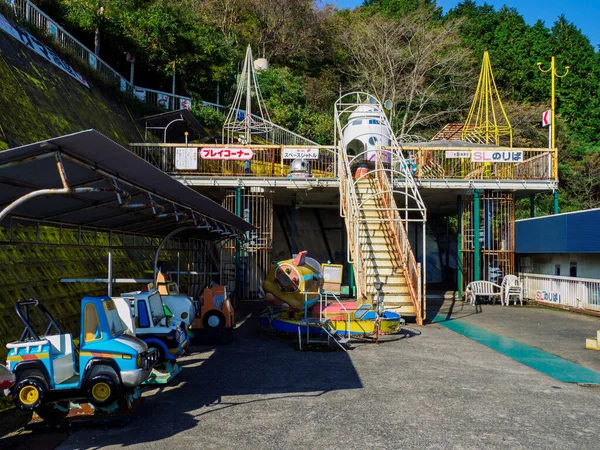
pixel 235 154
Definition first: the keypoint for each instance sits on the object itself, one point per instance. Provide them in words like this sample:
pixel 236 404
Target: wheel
pixel 28 393
pixel 214 319
pixel 160 356
pixel 53 411
pixel 101 390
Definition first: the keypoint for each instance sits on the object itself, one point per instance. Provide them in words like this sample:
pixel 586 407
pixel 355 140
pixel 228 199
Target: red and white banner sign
pixel 546 118
pixel 234 154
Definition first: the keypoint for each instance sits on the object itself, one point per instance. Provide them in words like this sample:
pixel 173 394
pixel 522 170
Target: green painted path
pixel 547 363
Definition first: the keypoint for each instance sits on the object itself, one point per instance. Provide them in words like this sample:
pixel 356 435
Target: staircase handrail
pixel 351 211
pixel 335 297
pixel 411 268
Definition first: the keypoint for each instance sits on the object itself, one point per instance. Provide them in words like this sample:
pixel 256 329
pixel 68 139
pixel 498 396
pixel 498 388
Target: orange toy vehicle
pixel 214 321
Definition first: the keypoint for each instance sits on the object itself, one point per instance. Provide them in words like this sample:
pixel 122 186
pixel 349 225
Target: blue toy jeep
pixel 109 365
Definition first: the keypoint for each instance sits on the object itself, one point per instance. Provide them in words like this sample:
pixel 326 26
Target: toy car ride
pixel 214 322
pixel 178 303
pixel 147 318
pixel 49 372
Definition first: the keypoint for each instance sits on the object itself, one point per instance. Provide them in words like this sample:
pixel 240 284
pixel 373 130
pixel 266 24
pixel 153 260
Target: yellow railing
pixel 351 212
pixel 267 160
pixel 482 163
pixel 412 269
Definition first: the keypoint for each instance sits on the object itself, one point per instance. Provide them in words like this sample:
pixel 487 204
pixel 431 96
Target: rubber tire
pixel 35 382
pixel 109 381
pixel 50 413
pixel 214 313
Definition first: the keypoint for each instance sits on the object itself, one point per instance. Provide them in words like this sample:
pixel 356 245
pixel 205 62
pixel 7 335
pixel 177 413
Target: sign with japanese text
pixel 491 156
pixel 162 100
pixel 235 154
pixel 185 103
pixel 93 61
pixel 140 94
pixel 186 158
pixel 300 153
pixel 545 296
pixel 450 154
pixel 41 49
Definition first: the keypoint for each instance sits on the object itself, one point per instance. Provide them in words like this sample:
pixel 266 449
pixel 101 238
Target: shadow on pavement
pixel 253 365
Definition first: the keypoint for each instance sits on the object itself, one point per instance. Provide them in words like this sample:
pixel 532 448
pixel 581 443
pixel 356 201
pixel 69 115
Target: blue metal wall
pixel 577 232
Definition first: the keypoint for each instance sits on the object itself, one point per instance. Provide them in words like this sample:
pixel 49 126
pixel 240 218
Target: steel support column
pixel 476 243
pixel 459 265
pixel 555 201
pixel 532 205
pixel 293 228
pixel 238 250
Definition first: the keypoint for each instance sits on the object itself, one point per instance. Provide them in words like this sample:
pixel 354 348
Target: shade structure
pixel 87 180
pixel 171 126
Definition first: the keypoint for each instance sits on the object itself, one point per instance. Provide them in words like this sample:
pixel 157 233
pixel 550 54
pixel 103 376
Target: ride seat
pixel 63 362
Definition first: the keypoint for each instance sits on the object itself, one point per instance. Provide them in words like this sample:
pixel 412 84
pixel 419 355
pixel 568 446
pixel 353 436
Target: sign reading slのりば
pixel 232 154
pixel 496 156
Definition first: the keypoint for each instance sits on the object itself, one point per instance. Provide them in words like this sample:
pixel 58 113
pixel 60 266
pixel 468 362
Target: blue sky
pixel 585 14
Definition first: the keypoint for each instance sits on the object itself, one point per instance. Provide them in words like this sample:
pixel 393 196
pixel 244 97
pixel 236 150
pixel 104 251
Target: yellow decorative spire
pixel 487 121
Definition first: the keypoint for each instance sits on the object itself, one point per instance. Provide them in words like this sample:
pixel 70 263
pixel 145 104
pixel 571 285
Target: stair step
pixel 381 239
pixel 389 290
pixel 373 271
pixel 370 246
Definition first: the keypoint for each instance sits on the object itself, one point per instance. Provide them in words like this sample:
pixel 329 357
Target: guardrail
pixel 482 163
pixel 564 291
pixel 266 161
pixel 27 11
pixel 277 135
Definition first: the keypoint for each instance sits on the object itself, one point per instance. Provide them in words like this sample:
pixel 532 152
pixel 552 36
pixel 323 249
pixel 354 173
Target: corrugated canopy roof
pixel 102 185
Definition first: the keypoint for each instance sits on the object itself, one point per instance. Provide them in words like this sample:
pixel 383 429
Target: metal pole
pixel 238 251
pixel 532 205
pixel 173 87
pixel 131 73
pixel 476 243
pixel 110 264
pixel 424 273
pixel 459 265
pixel 447 262
pixel 556 201
pixel 293 231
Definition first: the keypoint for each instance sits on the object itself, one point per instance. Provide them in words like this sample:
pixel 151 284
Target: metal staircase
pixel 378 207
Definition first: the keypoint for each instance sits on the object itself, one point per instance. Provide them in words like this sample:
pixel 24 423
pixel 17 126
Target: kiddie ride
pixel 148 318
pixel 211 317
pixel 52 374
pixel 295 289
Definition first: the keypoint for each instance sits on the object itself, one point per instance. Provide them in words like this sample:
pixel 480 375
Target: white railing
pixel 26 11
pixel 564 291
pixel 276 134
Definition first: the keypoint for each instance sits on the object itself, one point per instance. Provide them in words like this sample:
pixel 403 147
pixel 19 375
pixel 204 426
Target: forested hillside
pixel 405 51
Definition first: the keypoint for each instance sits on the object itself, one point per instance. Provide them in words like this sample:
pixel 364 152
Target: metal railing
pixel 396 219
pixel 26 11
pixel 412 269
pixel 267 161
pixel 457 163
pixel 564 291
pixel 276 134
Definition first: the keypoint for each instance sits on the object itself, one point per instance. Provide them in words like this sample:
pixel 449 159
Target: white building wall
pixel 588 264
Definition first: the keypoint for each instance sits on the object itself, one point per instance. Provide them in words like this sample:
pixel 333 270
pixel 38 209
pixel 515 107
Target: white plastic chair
pixel 512 287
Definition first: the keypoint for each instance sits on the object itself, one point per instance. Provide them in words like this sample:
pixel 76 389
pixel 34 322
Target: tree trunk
pixel 97 42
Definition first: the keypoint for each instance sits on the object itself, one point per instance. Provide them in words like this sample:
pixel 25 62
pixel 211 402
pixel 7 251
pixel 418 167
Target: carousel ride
pixel 299 304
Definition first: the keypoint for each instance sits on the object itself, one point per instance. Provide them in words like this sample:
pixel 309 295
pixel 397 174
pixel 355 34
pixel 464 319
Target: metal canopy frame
pixel 85 180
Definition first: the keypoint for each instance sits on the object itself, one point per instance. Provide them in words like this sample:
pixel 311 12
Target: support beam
pixel 110 264
pixel 556 201
pixel 238 250
pixel 476 243
pixel 293 228
pixel 532 205
pixel 351 285
pixel 459 265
